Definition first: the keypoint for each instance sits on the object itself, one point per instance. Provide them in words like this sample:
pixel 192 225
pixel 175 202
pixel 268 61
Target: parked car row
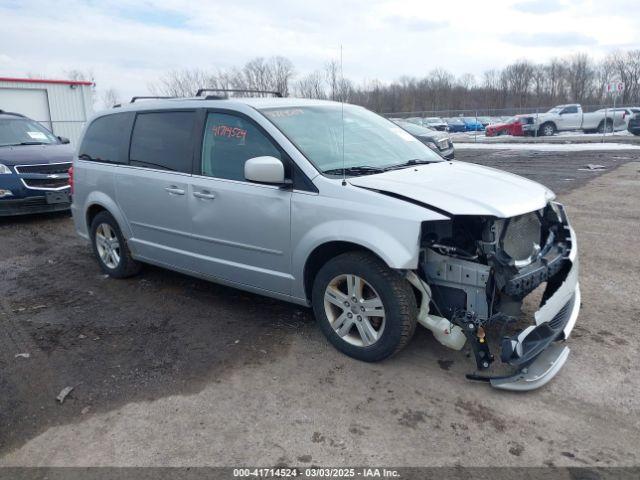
pixel 560 118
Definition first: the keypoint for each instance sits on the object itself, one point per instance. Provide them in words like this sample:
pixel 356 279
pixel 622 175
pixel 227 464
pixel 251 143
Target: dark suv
pixel 34 167
pixel 634 124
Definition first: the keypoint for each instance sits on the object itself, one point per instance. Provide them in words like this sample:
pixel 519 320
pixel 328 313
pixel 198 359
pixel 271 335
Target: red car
pixel 517 126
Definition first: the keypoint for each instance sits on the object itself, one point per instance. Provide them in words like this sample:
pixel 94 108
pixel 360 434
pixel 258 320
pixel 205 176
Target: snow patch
pixel 548 147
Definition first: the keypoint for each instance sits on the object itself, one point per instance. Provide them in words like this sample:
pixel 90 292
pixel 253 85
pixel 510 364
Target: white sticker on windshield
pixel 406 136
pixel 37 135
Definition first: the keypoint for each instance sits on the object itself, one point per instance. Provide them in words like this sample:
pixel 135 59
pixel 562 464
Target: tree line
pixel 520 86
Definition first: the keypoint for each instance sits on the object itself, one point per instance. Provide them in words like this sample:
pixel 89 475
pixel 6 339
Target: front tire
pixel 110 247
pixel 365 309
pixel 547 129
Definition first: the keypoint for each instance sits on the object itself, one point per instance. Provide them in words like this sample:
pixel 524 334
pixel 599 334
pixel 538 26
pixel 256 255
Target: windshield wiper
pixel 24 143
pixel 358 170
pixel 410 163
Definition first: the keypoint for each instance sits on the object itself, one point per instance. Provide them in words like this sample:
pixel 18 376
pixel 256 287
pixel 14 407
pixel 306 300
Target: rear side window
pixel 107 138
pixel 229 141
pixel 163 140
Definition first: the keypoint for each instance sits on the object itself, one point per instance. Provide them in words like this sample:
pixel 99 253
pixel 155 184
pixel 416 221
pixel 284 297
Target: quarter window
pixel 163 140
pixel 229 141
pixel 106 138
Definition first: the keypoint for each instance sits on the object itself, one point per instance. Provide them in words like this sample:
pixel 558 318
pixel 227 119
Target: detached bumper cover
pixel 539 373
pixel 541 358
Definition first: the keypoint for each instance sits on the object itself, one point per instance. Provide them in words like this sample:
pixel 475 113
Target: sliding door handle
pixel 173 190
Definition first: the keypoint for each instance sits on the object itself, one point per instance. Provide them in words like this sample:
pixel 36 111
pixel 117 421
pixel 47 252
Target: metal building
pixel 63 106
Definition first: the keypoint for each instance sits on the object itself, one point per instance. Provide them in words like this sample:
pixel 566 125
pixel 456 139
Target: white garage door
pixel 30 102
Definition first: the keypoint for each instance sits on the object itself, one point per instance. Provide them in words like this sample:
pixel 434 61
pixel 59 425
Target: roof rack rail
pixel 151 97
pixel 232 90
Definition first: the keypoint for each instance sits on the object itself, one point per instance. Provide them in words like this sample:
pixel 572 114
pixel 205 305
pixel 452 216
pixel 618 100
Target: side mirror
pixel 63 140
pixel 264 170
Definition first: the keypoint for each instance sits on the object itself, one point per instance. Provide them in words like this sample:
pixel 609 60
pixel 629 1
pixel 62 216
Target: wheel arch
pixel 325 252
pixel 93 210
pixel 98 202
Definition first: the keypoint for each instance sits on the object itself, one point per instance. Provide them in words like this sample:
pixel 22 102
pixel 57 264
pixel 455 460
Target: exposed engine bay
pixel 473 276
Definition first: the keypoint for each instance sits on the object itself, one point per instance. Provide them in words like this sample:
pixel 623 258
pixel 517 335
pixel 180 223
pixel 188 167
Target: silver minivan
pixel 331 206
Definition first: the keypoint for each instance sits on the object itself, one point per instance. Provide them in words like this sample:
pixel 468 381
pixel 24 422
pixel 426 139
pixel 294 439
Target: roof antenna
pixel 340 89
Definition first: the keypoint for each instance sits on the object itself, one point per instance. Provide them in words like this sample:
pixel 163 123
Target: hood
pixel 544 116
pixel 461 189
pixel 34 154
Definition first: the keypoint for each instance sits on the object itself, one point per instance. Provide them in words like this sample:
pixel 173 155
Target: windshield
pixel 22 131
pixel 369 139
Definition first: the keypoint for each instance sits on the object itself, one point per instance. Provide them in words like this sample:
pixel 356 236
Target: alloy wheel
pixel 108 245
pixel 354 310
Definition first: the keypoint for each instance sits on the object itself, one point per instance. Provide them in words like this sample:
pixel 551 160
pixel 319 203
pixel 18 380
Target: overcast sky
pixel 129 44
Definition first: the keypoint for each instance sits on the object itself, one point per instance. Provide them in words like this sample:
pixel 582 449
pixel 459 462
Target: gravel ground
pixel 169 370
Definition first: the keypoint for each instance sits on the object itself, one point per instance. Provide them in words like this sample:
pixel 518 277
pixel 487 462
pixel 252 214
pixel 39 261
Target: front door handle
pixel 173 190
pixel 204 194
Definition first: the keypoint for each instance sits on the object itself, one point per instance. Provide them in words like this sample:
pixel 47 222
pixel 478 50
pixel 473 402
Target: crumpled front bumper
pixel 558 314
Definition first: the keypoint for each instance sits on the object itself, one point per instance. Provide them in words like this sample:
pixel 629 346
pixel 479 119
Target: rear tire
pixel 110 247
pixel 365 309
pixel 605 126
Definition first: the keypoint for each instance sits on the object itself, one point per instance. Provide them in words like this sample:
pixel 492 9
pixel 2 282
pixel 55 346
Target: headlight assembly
pixel 4 170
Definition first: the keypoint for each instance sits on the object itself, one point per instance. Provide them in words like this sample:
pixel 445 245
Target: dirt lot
pixel 168 370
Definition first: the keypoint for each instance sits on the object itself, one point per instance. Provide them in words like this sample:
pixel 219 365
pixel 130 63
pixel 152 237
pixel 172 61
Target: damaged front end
pixel 474 275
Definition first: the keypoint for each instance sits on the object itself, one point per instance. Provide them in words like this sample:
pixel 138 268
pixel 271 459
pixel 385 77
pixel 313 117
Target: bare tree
pixel 579 76
pixel 626 66
pixel 332 76
pixel 311 86
pixel 519 86
pixel 555 72
pixel 80 75
pixel 519 77
pixel 283 72
pixel 181 83
pixel 110 97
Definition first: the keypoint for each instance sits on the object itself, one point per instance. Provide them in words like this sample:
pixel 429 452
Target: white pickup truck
pixel 571 117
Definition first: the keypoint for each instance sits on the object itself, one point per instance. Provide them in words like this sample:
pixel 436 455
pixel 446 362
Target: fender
pixel 97 197
pixel 399 252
